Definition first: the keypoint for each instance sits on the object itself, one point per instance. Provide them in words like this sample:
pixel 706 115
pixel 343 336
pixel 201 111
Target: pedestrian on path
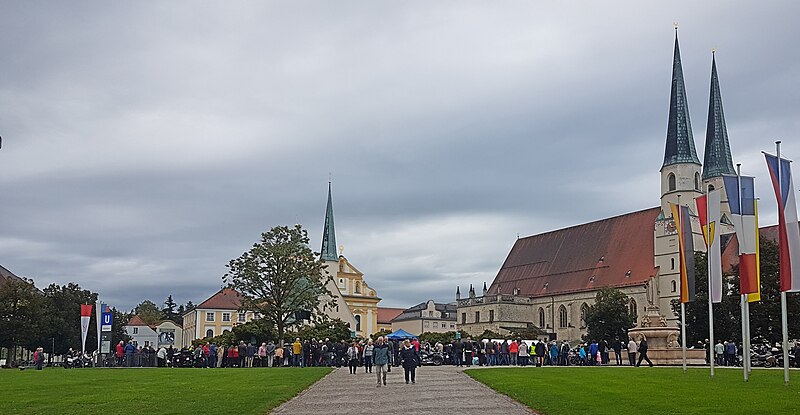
pixel 352 358
pixel 369 350
pixel 410 359
pixel 380 353
pixel 643 352
pixel 632 351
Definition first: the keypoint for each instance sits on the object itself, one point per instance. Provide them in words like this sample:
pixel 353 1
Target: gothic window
pixel 671 182
pixel 672 263
pixel 358 323
pixel 674 285
pixel 562 316
pixel 477 316
pixel 491 316
pixel 463 318
pixel 697 181
pixel 584 312
pixel 632 308
pixel 541 318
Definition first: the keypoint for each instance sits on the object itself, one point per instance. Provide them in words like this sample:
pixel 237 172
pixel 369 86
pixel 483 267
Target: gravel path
pixel 439 390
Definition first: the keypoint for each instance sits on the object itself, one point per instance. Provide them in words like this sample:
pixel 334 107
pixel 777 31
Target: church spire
pixel 328 252
pixel 717 159
pixel 680 142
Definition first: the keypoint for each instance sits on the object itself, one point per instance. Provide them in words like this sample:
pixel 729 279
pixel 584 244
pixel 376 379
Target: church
pixel 356 302
pixel 549 280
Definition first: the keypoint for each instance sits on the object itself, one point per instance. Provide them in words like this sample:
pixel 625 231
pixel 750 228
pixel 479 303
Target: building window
pixel 711 188
pixel 491 316
pixel 562 316
pixel 341 282
pixel 241 317
pixel 671 182
pixel 584 312
pixel 209 316
pixel 477 316
pixel 209 333
pixel 697 181
pixel 541 318
pixel 358 323
pixel 632 308
pixel 463 318
pixel 452 326
pixel 672 263
pixel 444 325
pixel 674 285
pixel 427 323
pixel 226 316
pixel 135 330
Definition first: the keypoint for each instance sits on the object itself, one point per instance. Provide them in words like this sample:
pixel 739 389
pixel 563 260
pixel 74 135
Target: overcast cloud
pixel 145 144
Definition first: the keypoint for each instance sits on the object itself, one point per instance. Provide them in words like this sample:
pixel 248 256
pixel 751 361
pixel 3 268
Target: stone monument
pixel 663 342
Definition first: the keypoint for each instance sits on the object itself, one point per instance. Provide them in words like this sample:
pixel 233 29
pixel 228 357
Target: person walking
pixel 369 350
pixel 643 352
pixel 632 351
pixel 381 354
pixel 352 358
pixel 410 359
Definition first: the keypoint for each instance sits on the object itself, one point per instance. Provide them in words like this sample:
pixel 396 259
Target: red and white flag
pixel 788 231
pixel 86 315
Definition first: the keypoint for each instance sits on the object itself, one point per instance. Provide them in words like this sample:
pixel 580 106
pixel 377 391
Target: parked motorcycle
pixel 432 358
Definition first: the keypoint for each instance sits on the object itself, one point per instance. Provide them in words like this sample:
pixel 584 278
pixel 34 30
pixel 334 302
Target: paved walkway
pixel 439 390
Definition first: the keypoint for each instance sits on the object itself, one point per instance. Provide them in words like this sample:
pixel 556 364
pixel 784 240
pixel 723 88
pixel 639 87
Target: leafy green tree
pixel 63 310
pixel 444 338
pixel 149 312
pixel 609 316
pixel 727 320
pixel 334 329
pixel 279 276
pixel 22 318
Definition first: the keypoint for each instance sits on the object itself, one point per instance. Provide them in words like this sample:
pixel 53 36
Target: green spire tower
pixel 717 159
pixel 680 142
pixel 328 252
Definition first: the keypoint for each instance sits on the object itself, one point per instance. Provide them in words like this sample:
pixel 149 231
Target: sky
pixel 145 144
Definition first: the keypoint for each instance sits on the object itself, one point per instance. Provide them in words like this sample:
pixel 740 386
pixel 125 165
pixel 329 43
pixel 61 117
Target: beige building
pixel 548 281
pixel 214 316
pixel 427 317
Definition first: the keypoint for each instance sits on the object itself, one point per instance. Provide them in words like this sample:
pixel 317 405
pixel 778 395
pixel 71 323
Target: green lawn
pixel 611 390
pixel 155 391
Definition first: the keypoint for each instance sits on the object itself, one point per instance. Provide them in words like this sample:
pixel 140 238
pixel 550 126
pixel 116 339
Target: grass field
pixel 153 391
pixel 610 390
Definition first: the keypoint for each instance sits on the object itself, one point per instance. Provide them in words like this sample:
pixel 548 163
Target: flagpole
pixel 784 325
pixel 683 305
pixel 710 347
pixel 742 297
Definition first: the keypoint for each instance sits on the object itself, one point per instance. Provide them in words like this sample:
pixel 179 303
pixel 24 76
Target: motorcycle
pixel 430 358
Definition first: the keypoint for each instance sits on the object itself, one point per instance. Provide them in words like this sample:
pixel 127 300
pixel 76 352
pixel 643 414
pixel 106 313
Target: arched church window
pixel 562 316
pixel 697 181
pixel 671 182
pixel 358 323
pixel 541 318
pixel 674 286
pixel 632 308
pixel 584 312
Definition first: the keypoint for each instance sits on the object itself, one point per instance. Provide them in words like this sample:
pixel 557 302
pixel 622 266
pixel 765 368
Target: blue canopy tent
pixel 400 335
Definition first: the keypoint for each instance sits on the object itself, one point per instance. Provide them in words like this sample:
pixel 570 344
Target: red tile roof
pixel 224 299
pixel 385 314
pixel 137 321
pixel 613 252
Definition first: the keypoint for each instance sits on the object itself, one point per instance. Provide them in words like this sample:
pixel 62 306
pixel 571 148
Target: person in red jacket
pixel 513 349
pixel 415 342
pixel 120 352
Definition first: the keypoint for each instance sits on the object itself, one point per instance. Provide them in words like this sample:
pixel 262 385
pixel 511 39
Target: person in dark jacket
pixel 643 352
pixel 616 345
pixel 242 349
pixel 382 355
pixel 410 359
pixel 458 353
pixel 468 347
pixel 541 351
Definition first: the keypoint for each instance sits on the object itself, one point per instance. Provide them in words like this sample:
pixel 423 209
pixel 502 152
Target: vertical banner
pixel 98 317
pixel 683 223
pixel 86 315
pixel 107 318
pixel 708 210
pixel 788 232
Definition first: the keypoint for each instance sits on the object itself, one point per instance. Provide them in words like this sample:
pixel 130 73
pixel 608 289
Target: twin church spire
pixel 680 148
pixel 328 252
